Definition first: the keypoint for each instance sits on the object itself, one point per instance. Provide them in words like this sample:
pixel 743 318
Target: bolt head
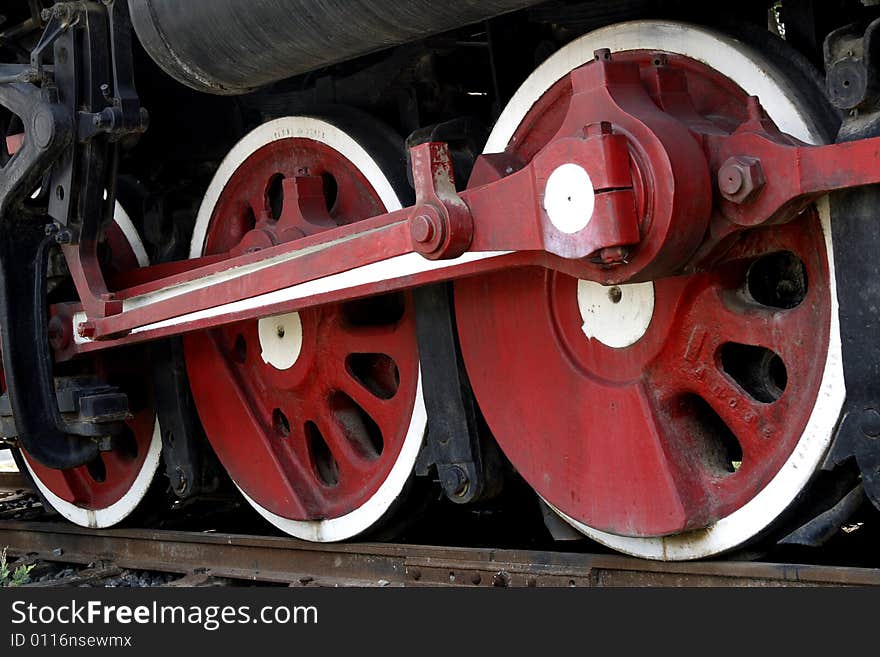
pixel 43 128
pixel 870 423
pixel 848 83
pixel 422 229
pixel 730 180
pixel 740 179
pixel 659 59
pixel 455 480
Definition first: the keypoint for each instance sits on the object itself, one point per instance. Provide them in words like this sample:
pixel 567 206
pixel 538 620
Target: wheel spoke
pixel 259 448
pixel 751 325
pixel 256 203
pixel 383 339
pixel 349 455
pixel 381 410
pixel 77 483
pixel 287 440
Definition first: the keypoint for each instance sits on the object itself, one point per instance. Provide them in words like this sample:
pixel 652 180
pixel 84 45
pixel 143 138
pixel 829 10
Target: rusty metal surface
pixel 289 561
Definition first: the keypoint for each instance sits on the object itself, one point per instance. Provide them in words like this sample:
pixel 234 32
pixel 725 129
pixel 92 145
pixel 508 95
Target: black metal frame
pixel 73 113
pixel 466 465
pixel 849 58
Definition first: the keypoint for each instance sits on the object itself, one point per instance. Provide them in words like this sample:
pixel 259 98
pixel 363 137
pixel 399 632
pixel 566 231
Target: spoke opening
pixel 713 442
pixel 778 280
pixel 760 372
pixel 323 464
pixel 97 470
pixel 275 195
pixel 377 373
pixel 125 444
pixel 331 191
pixel 357 425
pixel 280 423
pixel 250 219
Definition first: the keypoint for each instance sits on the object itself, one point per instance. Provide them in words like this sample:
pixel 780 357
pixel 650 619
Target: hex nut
pixel 740 179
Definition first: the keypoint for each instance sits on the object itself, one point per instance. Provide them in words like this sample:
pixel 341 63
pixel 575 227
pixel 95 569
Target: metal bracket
pixel 856 242
pixel 854 214
pixel 851 57
pixel 453 443
pixel 465 137
pixel 88 406
pixel 87 39
pixel 189 463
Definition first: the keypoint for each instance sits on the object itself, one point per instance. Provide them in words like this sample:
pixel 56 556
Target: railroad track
pixel 211 557
pixel 282 560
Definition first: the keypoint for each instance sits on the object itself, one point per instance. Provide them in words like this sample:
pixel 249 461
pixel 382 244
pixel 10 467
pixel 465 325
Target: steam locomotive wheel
pixel 110 488
pixel 676 418
pixel 318 415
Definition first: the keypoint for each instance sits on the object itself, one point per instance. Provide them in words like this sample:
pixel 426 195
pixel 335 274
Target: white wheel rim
pixel 759 77
pixel 124 506
pixel 373 509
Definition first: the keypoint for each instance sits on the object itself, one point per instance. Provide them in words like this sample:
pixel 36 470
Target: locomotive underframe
pixel 755 176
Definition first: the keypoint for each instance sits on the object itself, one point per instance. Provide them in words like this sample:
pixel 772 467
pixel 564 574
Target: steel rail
pixel 290 561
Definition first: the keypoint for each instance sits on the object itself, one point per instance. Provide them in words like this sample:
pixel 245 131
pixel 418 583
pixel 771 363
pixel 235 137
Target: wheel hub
pixel 281 340
pixel 616 315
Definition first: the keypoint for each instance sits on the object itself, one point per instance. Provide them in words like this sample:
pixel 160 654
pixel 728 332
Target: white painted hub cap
pixel 569 198
pixel 281 339
pixel 617 315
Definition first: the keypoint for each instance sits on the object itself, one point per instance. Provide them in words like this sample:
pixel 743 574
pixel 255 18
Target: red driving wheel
pixel 663 418
pixel 316 415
